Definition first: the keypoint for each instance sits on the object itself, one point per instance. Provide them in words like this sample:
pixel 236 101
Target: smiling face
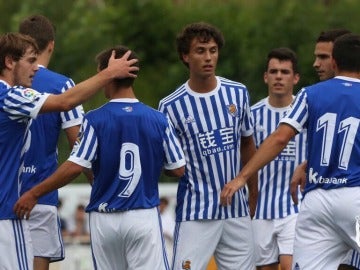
pixel 280 77
pixel 202 58
pixel 323 60
pixel 25 68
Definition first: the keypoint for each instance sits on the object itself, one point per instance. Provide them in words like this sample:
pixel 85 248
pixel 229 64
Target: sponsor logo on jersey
pixel 29 93
pixel 189 119
pixel 102 207
pixel 216 141
pixel 232 109
pixel 315 178
pixel 186 265
pixel 128 109
pixel 29 169
pixel 288 153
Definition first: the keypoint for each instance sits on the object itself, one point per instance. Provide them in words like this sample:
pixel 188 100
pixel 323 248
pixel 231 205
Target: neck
pixel 7 77
pixel 351 74
pixel 122 93
pixel 203 84
pixel 44 59
pixel 278 101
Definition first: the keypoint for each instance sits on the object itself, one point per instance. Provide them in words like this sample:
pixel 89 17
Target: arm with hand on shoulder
pixel 118 68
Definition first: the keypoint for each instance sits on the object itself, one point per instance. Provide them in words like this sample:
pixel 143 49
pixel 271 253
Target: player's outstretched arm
pixel 118 68
pixel 248 150
pixel 267 151
pixel 67 172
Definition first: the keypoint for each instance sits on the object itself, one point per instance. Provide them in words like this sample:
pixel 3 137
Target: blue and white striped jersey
pixel 41 159
pixel 210 127
pixel 127 144
pixel 17 106
pixel 274 199
pixel 330 111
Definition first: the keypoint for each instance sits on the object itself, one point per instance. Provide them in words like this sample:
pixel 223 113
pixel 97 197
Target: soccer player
pixel 127 144
pixel 327 225
pixel 40 160
pixel 18 65
pixel 212 118
pixel 323 49
pixel 324 68
pixel 275 217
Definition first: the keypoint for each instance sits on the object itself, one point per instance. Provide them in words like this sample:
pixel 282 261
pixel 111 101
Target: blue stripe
pixel 165 258
pixel 62 254
pixel 20 245
pixel 91 245
pixel 176 239
pixel 198 157
pixel 355 259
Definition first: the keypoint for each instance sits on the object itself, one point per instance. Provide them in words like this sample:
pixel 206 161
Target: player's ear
pixel 296 78
pixel 185 58
pixel 9 62
pixel 334 65
pixel 265 77
pixel 51 46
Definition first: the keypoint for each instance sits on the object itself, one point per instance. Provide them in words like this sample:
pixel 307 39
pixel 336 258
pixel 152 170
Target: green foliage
pixel 149 27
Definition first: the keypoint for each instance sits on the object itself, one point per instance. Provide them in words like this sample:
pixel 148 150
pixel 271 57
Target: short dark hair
pixel 283 54
pixel 331 35
pixel 346 52
pixel 15 46
pixel 102 60
pixel 40 28
pixel 201 30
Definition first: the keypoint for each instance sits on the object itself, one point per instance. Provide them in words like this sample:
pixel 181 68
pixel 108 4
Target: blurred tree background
pixel 149 27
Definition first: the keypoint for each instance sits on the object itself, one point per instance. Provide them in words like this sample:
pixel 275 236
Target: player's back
pixel 130 148
pixel 333 130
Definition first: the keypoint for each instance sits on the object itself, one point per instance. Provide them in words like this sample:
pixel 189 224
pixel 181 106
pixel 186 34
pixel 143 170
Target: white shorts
pixel 273 237
pixel 229 240
pixel 15 245
pixel 45 233
pixel 352 259
pixel 326 228
pixel 128 240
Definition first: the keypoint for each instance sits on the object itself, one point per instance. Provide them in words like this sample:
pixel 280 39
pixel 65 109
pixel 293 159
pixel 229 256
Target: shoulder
pixel 46 80
pixel 174 96
pixel 26 94
pixel 44 72
pixel 258 105
pixel 230 83
pixel 151 112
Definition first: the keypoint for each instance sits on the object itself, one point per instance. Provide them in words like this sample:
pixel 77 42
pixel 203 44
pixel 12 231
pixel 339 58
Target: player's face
pixel 202 58
pixel 280 77
pixel 25 68
pixel 323 60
